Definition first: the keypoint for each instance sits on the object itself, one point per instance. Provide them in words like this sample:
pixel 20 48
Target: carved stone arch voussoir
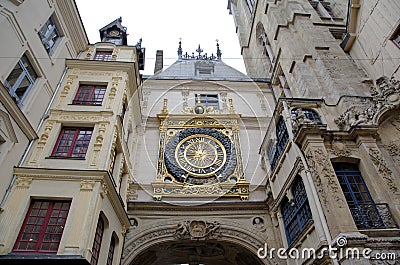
pixel 137 242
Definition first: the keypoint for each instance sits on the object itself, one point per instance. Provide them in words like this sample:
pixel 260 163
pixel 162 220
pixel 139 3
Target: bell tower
pixel 114 33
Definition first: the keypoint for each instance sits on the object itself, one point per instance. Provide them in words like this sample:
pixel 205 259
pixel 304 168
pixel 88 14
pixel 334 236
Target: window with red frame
pixel 90 95
pixel 111 251
pixel 103 55
pixel 396 37
pixel 98 237
pixel 72 142
pixel 43 227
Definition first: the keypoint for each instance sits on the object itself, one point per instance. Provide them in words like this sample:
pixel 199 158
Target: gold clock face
pixel 114 33
pixel 200 155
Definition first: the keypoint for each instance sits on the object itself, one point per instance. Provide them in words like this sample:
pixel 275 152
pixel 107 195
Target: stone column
pixel 9 228
pixel 329 192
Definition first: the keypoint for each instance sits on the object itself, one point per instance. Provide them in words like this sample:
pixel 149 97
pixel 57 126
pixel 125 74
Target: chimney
pixel 159 62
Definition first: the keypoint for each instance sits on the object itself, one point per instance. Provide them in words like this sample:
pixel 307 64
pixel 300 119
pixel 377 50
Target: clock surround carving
pixel 199 156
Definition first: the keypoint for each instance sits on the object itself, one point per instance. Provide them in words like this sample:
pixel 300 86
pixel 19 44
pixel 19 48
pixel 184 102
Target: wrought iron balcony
pixel 372 216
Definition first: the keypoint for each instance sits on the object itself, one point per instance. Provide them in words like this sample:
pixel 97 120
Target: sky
pixel 161 24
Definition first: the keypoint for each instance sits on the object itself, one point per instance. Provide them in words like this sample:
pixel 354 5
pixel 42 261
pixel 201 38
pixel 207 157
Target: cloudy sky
pixel 162 23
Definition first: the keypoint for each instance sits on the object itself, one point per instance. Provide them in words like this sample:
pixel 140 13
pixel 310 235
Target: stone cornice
pixel 242 207
pixel 17 115
pixel 78 175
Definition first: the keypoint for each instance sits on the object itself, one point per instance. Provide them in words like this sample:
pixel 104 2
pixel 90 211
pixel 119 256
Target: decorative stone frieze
pixel 197 230
pixel 87 185
pixel 383 168
pixel 385 96
pixel 23 183
pixel 324 177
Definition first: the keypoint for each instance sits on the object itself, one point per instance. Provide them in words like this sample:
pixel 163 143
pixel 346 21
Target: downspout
pixel 28 148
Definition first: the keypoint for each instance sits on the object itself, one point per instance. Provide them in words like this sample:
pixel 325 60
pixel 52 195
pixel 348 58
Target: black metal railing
pixel 372 216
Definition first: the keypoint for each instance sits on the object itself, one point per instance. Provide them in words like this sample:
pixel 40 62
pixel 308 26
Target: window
pixel 43 227
pixel 208 100
pixel 124 108
pixel 296 215
pixel 111 251
pixel 396 37
pixel 73 142
pixel 361 205
pixel 21 79
pixel 250 5
pixel 49 34
pixel 98 237
pixel 90 95
pixel 310 114
pixel 282 137
pixel 103 55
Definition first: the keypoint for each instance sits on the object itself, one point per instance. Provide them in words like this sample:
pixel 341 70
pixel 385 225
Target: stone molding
pixel 138 241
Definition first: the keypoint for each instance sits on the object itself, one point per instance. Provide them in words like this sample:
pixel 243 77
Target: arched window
pixel 310 114
pixel 282 137
pixel 98 237
pixel 296 215
pixel 111 250
pixel 361 205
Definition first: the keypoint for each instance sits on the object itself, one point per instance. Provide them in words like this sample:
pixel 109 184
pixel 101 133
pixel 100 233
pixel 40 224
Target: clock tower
pixel 114 33
pixel 198 191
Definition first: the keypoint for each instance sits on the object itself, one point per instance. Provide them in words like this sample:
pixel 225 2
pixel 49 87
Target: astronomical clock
pixel 199 155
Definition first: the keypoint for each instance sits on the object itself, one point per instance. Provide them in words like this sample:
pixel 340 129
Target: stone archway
pixel 195 253
pixel 185 243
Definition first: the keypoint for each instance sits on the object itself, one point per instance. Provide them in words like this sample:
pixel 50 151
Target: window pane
pixel 97 241
pixel 103 55
pixel 49 34
pixel 359 200
pixel 37 228
pixel 296 215
pixel 13 77
pixel 73 142
pixel 27 65
pixel 90 95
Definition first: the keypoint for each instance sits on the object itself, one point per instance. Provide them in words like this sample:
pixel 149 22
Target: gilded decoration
pixel 324 177
pixel 87 185
pixel 23 182
pixel 385 96
pixel 199 156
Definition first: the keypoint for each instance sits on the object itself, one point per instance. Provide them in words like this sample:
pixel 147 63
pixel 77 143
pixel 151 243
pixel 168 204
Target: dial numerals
pixel 200 155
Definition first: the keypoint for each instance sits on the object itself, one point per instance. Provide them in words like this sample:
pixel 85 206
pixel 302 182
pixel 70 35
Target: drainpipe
pixel 28 148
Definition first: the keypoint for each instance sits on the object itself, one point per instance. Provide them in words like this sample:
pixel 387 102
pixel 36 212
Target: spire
pixel 180 50
pixel 219 53
pixel 199 50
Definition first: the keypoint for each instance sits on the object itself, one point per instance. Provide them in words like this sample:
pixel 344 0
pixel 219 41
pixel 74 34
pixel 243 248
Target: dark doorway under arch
pixel 197 253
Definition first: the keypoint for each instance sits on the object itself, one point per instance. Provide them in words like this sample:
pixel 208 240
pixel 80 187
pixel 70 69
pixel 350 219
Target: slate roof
pixel 185 69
